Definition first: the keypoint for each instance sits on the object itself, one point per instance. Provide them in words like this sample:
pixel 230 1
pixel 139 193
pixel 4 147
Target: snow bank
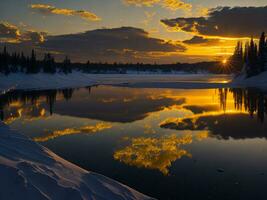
pixel 44 81
pixel 30 171
pixel 259 81
pixel 78 79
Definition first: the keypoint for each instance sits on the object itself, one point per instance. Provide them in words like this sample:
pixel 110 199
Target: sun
pixel 224 61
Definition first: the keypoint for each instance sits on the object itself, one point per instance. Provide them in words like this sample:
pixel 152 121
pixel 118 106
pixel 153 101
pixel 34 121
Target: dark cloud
pixel 198 40
pixel 125 44
pixel 225 22
pixel 106 44
pixel 34 36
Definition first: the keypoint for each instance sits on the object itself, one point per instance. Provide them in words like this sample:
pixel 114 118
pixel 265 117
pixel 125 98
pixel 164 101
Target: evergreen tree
pixel 14 62
pixel 23 62
pixel 237 60
pixel 5 61
pixel 32 65
pixel 66 67
pixel 252 59
pixel 262 52
pixel 245 56
pixel 1 62
pixel 49 64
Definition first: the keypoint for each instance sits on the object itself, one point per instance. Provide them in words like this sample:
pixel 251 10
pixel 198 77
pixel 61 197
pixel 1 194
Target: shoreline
pixel 20 81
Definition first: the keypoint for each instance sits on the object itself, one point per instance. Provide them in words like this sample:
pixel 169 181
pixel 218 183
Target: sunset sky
pixel 150 31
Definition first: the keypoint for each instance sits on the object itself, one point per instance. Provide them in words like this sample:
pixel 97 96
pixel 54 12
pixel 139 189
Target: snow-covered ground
pixel 78 79
pixel 43 81
pixel 30 171
pixel 259 81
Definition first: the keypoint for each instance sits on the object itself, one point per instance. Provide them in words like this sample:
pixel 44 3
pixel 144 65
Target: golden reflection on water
pixel 71 131
pixel 202 135
pixel 136 103
pixel 148 129
pixel 160 153
pixel 156 153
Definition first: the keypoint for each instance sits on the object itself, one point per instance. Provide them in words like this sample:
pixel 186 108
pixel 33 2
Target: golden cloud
pixel 12 34
pixel 176 5
pixel 169 4
pixel 149 17
pixel 8 32
pixel 48 9
pixel 154 153
pixel 141 2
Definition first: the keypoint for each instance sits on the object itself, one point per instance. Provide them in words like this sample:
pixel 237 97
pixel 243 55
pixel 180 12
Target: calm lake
pixel 166 143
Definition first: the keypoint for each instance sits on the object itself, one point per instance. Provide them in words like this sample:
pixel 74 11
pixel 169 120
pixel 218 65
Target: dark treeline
pixel 251 57
pixel 18 62
pixel 254 101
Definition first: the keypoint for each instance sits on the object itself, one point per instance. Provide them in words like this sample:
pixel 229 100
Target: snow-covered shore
pixel 30 171
pixel 43 81
pixel 259 81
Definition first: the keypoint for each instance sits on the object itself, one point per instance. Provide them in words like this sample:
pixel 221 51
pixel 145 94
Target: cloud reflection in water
pixel 71 131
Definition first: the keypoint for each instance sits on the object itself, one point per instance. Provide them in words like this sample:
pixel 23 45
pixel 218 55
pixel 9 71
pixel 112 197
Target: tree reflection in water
pixel 252 100
pixel 33 98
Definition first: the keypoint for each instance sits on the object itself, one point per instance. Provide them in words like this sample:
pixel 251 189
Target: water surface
pixel 166 143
